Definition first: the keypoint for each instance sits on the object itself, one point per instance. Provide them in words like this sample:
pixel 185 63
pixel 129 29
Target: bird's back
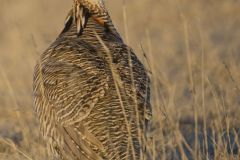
pixel 90 102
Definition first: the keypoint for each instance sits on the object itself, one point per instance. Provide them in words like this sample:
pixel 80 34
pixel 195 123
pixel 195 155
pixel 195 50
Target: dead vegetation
pixel 193 52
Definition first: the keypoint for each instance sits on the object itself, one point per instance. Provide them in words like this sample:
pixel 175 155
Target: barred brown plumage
pixel 90 103
pixel 95 9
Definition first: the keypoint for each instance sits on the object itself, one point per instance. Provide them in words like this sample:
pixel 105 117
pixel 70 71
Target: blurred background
pixel 193 52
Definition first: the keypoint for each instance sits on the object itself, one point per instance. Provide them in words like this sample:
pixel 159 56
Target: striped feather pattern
pixel 76 100
pixel 83 9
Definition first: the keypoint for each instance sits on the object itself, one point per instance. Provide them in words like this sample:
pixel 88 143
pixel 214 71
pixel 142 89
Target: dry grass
pixel 193 52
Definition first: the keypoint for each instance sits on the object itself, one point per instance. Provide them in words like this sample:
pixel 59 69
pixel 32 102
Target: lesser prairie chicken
pixel 92 101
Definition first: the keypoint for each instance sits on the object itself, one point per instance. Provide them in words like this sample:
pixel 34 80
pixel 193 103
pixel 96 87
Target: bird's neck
pixel 91 29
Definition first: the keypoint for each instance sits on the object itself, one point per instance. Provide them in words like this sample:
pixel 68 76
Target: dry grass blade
pixel 203 92
pixel 117 83
pixel 231 77
pixel 13 96
pixel 192 52
pixel 11 144
pixel 132 81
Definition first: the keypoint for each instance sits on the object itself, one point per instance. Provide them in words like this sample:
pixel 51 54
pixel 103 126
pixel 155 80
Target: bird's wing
pixel 141 83
pixel 79 144
pixel 73 84
pixel 142 91
pixel 138 74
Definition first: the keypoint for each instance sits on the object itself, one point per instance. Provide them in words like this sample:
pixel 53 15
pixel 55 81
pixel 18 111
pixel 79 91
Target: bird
pixel 82 10
pixel 91 93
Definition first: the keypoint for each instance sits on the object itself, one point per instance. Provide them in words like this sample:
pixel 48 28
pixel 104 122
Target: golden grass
pixel 193 52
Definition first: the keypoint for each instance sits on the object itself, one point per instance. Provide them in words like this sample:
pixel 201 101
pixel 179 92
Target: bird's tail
pixel 77 144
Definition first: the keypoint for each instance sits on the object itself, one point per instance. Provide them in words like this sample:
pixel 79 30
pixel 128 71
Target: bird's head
pixel 91 4
pixel 82 9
